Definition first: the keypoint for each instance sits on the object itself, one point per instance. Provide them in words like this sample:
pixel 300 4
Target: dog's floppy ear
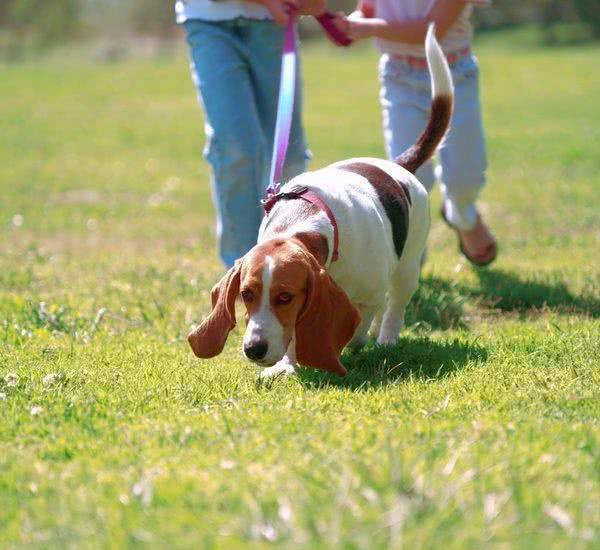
pixel 209 338
pixel 326 323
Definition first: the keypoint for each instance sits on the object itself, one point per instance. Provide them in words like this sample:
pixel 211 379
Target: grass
pixel 480 428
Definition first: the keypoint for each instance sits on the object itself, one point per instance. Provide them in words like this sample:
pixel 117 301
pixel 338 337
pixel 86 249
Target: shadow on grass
pixel 412 357
pixel 439 304
pixel 509 292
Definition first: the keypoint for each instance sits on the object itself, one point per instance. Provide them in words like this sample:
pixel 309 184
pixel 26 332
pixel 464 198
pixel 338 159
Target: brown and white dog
pixel 305 299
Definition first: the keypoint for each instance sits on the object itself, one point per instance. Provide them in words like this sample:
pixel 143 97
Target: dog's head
pixel 287 294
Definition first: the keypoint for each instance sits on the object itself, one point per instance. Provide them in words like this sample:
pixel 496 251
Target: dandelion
pixel 491 506
pixel 144 491
pixel 228 464
pixel 11 379
pixel 285 511
pixel 2 396
pixel 17 220
pixel 36 410
pixel 51 378
pixel 265 531
pixel 369 495
pixel 187 432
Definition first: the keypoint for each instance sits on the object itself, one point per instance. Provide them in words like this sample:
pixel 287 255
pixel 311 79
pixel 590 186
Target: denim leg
pixel 405 104
pixel 463 156
pixel 265 43
pixel 236 146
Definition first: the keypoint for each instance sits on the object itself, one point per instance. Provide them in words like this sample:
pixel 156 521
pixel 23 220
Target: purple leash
pixel 285 105
pixel 287 92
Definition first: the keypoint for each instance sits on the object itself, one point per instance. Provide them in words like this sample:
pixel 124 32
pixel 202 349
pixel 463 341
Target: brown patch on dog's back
pixel 394 196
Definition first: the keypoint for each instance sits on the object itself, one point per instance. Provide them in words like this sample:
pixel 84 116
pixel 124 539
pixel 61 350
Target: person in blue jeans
pixel 235 48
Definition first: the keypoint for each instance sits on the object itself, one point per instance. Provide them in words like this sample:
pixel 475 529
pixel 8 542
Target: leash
pixel 326 20
pixel 283 123
pixel 285 105
pixel 287 92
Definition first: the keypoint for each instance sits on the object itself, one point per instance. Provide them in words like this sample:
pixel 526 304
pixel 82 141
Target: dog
pixel 339 252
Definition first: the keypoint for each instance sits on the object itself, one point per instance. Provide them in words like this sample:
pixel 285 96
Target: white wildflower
pixel 285 512
pixel 265 531
pixel 36 410
pixel 144 491
pixel 11 379
pixel 492 504
pixel 560 516
pixel 51 378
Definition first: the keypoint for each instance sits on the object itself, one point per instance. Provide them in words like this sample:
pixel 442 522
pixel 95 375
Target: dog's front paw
pixel 387 338
pixel 282 368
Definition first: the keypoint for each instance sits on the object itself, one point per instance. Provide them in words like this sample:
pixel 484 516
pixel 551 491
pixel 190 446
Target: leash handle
pixel 326 20
pixel 285 105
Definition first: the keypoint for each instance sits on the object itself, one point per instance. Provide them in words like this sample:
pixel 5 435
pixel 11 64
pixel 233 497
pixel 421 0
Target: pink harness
pixel 309 196
pixel 285 109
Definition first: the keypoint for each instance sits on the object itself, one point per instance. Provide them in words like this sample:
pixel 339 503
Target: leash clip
pixel 275 195
pixel 293 193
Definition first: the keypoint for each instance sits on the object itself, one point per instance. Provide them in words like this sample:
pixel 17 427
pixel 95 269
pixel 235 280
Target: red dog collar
pixel 309 196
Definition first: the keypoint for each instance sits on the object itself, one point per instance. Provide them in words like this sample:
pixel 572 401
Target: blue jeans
pixel 235 68
pixel 406 102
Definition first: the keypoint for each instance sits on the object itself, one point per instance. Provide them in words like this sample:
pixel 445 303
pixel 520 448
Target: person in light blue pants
pixel 235 49
pixel 399 28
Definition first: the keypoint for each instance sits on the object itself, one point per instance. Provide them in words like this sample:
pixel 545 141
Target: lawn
pixel 480 428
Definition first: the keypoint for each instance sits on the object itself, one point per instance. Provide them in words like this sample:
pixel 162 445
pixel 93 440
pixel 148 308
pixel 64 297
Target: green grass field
pixel 481 428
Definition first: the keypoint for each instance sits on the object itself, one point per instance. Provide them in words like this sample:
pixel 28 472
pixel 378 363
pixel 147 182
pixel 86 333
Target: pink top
pixel 457 38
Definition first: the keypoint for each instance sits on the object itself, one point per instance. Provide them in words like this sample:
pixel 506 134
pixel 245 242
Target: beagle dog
pixel 339 252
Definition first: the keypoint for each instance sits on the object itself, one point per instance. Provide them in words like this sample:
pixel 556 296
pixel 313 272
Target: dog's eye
pixel 284 298
pixel 247 295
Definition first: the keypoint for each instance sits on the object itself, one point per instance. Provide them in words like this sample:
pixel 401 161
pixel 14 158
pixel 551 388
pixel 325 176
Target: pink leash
pixel 287 92
pixel 283 124
pixel 326 20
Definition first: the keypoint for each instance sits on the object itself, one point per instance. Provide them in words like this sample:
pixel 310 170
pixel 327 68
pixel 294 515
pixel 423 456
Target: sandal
pixel 490 252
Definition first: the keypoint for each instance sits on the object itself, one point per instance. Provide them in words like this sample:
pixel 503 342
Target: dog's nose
pixel 256 350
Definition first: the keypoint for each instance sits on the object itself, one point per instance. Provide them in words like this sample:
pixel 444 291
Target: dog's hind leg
pixel 376 323
pixel 402 287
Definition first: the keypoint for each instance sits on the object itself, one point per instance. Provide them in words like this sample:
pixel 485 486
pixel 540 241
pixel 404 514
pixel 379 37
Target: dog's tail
pixel 442 92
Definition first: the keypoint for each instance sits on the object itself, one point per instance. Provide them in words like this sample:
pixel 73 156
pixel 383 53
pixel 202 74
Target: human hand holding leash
pixel 282 9
pixel 357 26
